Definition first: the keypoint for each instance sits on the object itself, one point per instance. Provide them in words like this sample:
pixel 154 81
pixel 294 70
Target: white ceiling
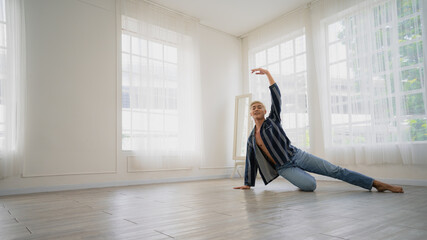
pixel 236 17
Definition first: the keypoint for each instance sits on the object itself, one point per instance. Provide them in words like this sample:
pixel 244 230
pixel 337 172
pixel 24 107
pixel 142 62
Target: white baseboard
pixel 107 184
pixel 411 182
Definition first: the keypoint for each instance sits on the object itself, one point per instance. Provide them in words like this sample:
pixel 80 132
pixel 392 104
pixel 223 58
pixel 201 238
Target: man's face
pixel 258 111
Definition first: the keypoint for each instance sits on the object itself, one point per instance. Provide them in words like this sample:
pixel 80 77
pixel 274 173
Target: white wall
pixel 72 113
pixel 221 82
pixel 71 86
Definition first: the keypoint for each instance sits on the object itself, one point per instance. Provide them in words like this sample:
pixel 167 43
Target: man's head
pixel 257 110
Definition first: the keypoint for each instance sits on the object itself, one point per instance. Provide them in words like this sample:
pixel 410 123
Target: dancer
pixel 270 151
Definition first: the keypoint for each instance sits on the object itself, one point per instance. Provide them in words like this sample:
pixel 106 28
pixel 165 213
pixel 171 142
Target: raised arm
pixel 276 98
pixel 261 71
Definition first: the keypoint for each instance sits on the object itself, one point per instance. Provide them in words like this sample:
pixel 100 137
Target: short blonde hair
pixel 255 102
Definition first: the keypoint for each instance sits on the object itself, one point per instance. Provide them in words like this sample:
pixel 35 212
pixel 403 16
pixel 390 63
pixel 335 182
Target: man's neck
pixel 258 124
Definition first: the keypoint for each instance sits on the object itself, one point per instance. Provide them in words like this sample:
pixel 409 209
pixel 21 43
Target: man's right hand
pixel 262 71
pixel 243 187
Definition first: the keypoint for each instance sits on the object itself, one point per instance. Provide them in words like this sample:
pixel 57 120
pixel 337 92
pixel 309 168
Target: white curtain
pixel 161 112
pixel 12 69
pixel 371 69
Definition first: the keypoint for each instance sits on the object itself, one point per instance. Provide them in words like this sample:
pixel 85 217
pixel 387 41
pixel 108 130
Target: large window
pixel 149 92
pixel 376 75
pixel 286 61
pixel 160 114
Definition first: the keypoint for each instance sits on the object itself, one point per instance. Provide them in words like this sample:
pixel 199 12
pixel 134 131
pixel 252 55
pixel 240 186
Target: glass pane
pixel 410 79
pixel 410 54
pixel 139 121
pixel 338 72
pixel 413 104
pixel 341 135
pixel 360 133
pixel 336 31
pixel 301 104
pixel 125 98
pixel 125 43
pixel 287 49
pixel 126 119
pixel 136 81
pixel 274 68
pixel 288 66
pixel 125 79
pixel 136 64
pixel 381 111
pixel 156 71
pixel 301 80
pixel 155 50
pixel 378 62
pixel 410 29
pixel 337 51
pixel 171 54
pixel 300 44
pixel 418 129
pixel 171 72
pixel 302 120
pixel 157 98
pixel 144 66
pixel 379 85
pixel 136 98
pixel 260 59
pixel 392 83
pixel 126 62
pixel 300 63
pixel 289 102
pixel 139 46
pixel 171 123
pixel 171 100
pixel 289 120
pixel 126 141
pixel 273 54
pixel 379 39
pixel 407 7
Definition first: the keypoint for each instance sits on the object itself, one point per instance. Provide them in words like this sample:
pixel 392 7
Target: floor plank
pixel 213 210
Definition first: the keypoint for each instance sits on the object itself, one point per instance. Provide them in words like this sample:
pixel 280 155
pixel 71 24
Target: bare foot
pixel 381 187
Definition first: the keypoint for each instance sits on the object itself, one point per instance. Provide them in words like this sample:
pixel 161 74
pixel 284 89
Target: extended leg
pixel 317 165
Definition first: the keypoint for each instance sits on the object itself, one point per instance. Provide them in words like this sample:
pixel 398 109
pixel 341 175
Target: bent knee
pixel 309 187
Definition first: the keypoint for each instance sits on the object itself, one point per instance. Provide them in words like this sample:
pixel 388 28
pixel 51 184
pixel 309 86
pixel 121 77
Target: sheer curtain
pixel 161 114
pixel 371 68
pixel 12 69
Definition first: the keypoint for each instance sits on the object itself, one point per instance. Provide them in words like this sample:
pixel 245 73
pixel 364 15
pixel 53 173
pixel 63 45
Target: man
pixel 270 151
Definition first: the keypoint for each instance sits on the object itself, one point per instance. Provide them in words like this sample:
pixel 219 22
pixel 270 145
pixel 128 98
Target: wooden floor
pixel 213 210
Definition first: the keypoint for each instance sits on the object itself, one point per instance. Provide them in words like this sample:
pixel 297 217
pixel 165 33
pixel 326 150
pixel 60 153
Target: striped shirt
pixel 275 139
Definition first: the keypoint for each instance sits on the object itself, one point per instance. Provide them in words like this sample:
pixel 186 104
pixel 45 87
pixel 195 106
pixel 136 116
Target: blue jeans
pixel 294 172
